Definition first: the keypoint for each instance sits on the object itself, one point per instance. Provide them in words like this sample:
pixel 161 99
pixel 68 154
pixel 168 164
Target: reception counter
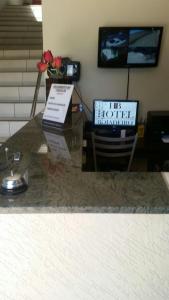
pixel 52 161
pixel 77 235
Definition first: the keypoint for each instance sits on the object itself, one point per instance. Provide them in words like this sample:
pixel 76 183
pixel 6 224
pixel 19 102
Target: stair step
pixel 18 65
pixel 20 28
pixel 21 34
pixel 21 54
pixel 19 47
pixel 21 41
pixel 14 8
pixel 20 23
pixel 20 102
pixel 9 13
pixel 20 93
pixel 20 50
pixel 20 17
pixel 17 7
pixel 10 127
pixel 10 110
pixel 20 79
pixel 14 119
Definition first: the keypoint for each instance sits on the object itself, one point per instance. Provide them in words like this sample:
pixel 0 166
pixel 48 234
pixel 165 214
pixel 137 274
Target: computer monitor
pixel 115 114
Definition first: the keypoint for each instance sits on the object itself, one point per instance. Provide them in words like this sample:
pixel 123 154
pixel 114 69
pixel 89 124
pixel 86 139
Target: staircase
pixel 20 50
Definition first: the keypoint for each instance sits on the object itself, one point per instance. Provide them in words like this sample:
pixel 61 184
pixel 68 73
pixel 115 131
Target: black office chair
pixel 113 153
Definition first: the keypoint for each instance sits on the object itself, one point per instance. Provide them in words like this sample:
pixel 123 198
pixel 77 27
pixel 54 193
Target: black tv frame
pixel 115 127
pixel 113 30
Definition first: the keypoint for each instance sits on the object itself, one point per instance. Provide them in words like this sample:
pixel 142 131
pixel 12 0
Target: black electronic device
pixel 157 140
pixel 128 47
pixel 157 126
pixel 70 70
pixel 73 70
pixel 115 114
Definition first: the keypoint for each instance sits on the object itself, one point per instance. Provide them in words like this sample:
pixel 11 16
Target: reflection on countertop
pixel 53 160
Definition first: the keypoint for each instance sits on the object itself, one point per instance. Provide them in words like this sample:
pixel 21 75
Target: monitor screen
pixel 121 47
pixel 115 113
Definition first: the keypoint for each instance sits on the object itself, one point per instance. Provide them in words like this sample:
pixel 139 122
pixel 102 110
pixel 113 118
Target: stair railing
pixel 35 98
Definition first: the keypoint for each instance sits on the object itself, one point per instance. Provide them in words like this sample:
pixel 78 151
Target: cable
pixel 128 81
pixel 80 97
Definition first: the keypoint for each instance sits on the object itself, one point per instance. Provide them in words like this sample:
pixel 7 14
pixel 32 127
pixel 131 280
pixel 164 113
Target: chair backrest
pixel 113 147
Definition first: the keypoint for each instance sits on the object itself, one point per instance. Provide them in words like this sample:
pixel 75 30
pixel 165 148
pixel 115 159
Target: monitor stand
pixel 115 132
pixel 108 132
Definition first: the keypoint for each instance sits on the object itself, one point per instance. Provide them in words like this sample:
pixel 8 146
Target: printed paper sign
pixel 58 102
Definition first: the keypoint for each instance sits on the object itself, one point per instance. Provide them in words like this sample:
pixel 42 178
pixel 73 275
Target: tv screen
pixel 121 114
pixel 129 46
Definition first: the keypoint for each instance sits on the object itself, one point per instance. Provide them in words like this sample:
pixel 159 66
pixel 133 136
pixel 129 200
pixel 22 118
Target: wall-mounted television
pixel 117 114
pixel 128 47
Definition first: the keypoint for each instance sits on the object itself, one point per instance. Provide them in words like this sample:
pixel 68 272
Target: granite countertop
pixel 53 162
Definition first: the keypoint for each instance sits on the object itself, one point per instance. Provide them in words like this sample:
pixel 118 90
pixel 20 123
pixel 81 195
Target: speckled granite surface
pixel 57 184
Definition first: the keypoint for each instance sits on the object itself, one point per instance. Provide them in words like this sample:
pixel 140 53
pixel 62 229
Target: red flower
pixel 47 56
pixel 57 62
pixel 42 67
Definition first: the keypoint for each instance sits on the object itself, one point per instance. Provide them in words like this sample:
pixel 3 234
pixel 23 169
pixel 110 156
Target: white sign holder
pixel 58 106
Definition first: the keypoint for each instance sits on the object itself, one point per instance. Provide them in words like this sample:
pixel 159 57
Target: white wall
pixel 84 257
pixel 71 28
